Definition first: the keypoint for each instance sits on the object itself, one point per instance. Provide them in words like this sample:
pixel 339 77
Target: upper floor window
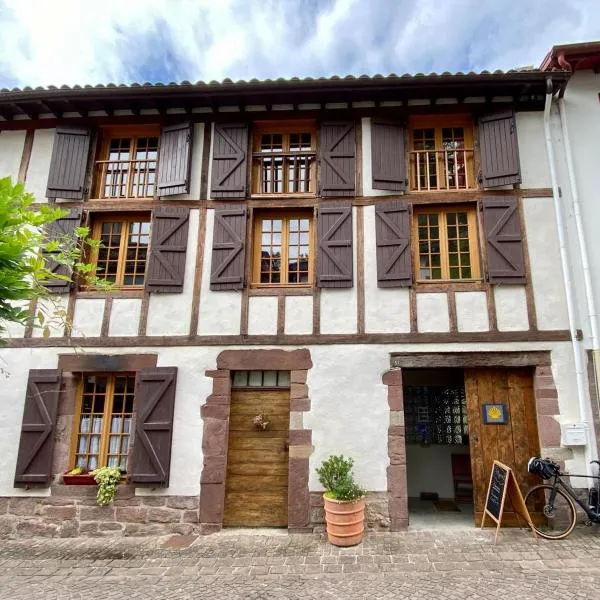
pixel 128 163
pixel 283 249
pixel 122 256
pixel 446 240
pixel 283 158
pixel 103 419
pixel 441 154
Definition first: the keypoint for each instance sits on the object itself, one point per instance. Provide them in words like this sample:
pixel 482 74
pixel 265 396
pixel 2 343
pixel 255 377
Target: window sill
pixel 125 292
pixel 300 290
pixel 282 196
pixel 443 285
pixel 448 191
pixel 128 199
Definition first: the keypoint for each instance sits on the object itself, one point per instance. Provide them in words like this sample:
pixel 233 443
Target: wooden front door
pixel 513 443
pixel 256 488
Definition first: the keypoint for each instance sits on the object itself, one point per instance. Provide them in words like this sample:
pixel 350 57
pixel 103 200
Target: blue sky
pixel 56 42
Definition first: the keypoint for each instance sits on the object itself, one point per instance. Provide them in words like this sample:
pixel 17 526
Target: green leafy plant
pixel 336 476
pixel 23 269
pixel 108 479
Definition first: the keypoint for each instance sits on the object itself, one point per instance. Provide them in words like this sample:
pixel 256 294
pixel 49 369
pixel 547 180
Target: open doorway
pixel 439 479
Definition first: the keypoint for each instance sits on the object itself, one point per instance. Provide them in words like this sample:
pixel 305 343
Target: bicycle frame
pixel 593 516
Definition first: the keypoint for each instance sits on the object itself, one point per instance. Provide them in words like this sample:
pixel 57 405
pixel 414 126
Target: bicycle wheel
pixel 552 511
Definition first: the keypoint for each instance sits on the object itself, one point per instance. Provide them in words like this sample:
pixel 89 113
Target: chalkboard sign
pixel 497 491
pixel 503 484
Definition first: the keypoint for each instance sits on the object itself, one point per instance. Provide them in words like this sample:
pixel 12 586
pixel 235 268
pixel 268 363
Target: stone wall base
pixel 377 516
pixel 72 511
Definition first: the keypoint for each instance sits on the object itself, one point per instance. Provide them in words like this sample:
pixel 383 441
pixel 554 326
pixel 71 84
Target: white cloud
pixel 83 41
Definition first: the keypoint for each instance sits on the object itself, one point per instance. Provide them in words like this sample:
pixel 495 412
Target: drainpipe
pixel 568 283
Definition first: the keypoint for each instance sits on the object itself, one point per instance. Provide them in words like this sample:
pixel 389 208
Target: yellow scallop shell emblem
pixel 494 413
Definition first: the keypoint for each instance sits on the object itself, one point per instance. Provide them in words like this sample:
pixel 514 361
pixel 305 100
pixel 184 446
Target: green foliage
pixel 107 479
pixel 336 476
pixel 23 270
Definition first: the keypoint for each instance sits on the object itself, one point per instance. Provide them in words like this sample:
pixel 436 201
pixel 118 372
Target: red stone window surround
pixel 215 413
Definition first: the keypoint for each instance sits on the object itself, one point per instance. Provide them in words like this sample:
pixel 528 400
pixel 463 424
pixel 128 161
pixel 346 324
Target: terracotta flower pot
pixel 345 521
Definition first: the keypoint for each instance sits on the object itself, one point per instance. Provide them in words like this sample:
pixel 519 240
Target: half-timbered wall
pixel 349 330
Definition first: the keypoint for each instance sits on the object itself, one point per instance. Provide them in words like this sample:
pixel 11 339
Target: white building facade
pixel 371 265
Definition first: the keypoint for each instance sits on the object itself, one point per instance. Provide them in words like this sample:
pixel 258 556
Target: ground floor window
pixel 103 420
pixel 436 414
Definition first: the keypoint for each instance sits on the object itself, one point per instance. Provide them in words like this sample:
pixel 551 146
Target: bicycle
pixel 557 500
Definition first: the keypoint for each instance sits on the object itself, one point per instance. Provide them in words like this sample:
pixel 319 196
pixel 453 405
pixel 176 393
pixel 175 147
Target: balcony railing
pixel 433 170
pixel 126 178
pixel 284 173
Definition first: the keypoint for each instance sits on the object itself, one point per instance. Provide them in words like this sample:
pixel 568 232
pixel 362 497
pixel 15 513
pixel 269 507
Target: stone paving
pixel 460 564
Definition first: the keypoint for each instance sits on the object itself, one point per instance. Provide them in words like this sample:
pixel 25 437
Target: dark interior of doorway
pixel 439 481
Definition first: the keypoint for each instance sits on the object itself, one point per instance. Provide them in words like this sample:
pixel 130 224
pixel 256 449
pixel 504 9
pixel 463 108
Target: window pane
pixel 135 252
pixel 270 378
pixel 240 378
pixel 93 402
pixel 255 379
pixel 283 378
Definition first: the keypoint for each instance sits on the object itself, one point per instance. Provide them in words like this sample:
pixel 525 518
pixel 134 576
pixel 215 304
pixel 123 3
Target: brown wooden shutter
pixel 334 259
pixel 229 161
pixel 388 159
pixel 392 232
pixel 337 159
pixel 499 150
pixel 68 165
pixel 54 231
pixel 229 248
pixel 506 262
pixel 154 407
pixel 34 459
pixel 166 264
pixel 174 161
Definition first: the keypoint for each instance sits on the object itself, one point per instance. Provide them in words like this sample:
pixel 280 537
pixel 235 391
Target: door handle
pixel 286 446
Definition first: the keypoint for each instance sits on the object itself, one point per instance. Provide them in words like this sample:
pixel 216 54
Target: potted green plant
pixel 107 479
pixel 344 501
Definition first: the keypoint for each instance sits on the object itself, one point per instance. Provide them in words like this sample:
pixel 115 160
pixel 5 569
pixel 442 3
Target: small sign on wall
pixel 495 414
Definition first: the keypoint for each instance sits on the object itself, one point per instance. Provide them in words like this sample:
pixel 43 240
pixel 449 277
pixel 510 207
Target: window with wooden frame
pixel 441 155
pixel 103 421
pixel 446 247
pixel 284 158
pixel 283 249
pixel 128 162
pixel 123 253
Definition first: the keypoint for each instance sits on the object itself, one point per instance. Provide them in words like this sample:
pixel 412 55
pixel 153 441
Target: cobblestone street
pixel 460 564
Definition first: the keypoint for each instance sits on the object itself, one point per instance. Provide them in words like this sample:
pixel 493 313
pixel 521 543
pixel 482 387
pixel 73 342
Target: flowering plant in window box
pixel 78 476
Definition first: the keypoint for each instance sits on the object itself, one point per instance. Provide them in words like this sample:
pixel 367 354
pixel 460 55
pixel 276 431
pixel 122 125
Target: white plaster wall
pixel 582 111
pixel 432 312
pixel 125 316
pixel 87 320
pixel 349 412
pixel 339 306
pixel 55 316
pixel 220 312
pixel 36 180
pixel 511 307
pixel 196 167
pixel 170 314
pixel 471 311
pixel 262 315
pixel 11 151
pixel 367 171
pixel 429 469
pixel 387 310
pixel 532 150
pixel 298 315
pixel 544 258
